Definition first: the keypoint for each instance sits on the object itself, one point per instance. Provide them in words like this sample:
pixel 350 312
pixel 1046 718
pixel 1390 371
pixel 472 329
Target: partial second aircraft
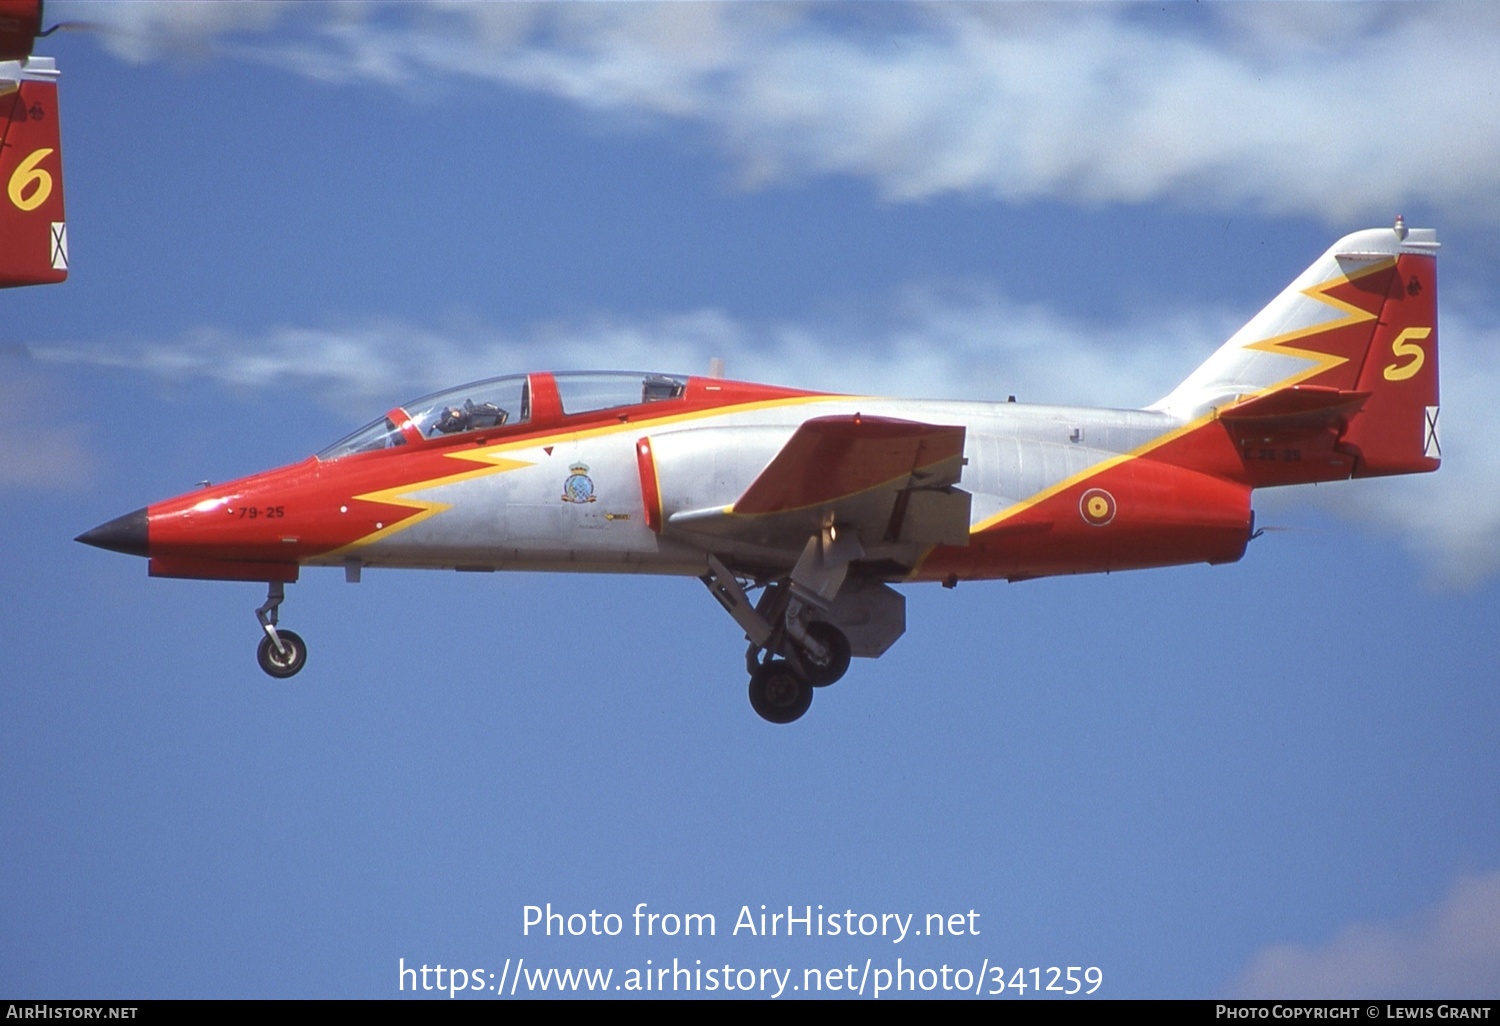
pixel 799 510
pixel 33 229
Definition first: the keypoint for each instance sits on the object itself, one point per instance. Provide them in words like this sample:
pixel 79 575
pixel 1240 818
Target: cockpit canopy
pixel 498 403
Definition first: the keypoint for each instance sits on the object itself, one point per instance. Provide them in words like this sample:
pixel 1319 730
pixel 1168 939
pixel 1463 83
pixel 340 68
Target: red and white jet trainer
pixel 820 501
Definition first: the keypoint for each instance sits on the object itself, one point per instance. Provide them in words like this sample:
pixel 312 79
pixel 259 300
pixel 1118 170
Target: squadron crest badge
pixel 578 487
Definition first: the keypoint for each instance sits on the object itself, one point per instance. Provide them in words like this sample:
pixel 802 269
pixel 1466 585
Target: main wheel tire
pixel 282 663
pixel 830 670
pixel 778 694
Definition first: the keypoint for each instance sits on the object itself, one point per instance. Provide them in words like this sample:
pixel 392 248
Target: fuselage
pixel 613 489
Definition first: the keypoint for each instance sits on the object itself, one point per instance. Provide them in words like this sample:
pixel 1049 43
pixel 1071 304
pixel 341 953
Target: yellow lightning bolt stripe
pixel 498 463
pixel 401 494
pixel 1279 344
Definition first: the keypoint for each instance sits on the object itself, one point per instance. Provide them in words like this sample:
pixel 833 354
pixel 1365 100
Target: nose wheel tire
pixel 836 664
pixel 286 661
pixel 778 694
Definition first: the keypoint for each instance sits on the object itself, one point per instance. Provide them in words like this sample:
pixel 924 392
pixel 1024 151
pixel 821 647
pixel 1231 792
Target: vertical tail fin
pixel 1339 373
pixel 33 228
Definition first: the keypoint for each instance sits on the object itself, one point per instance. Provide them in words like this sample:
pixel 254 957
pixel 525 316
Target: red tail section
pixel 33 228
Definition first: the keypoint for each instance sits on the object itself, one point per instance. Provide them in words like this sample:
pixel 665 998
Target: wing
pixel 890 481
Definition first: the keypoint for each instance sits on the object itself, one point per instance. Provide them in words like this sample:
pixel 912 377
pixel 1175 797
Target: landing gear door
pixel 871 615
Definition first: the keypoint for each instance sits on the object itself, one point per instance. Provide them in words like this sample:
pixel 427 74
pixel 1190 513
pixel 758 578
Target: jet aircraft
pixel 800 509
pixel 33 230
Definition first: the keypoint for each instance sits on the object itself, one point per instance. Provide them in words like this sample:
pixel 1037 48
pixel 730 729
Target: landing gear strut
pixel 793 645
pixel 827 667
pixel 280 653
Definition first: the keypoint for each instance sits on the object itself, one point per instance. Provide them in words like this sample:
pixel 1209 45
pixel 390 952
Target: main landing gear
pixel 796 657
pixel 791 651
pixel 781 689
pixel 281 653
pixel 777 693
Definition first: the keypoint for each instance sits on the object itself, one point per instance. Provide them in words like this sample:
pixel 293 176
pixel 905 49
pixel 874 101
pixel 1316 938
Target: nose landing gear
pixel 280 653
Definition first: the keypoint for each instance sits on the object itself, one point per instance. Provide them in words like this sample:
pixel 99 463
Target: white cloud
pixel 1451 951
pixel 948 343
pixel 1343 112
pixel 141 32
pixel 943 343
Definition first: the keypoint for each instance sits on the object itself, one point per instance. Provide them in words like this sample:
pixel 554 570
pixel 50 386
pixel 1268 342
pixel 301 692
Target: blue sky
pixel 1272 778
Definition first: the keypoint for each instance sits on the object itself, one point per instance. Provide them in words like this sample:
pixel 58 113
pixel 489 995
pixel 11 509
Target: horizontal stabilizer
pixel 1300 404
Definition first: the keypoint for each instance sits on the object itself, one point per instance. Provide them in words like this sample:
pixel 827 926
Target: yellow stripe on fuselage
pixel 1083 475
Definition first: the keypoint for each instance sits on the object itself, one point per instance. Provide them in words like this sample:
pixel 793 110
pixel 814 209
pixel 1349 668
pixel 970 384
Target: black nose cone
pixel 125 534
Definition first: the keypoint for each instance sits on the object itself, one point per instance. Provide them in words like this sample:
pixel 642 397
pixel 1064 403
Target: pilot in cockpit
pixel 470 417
